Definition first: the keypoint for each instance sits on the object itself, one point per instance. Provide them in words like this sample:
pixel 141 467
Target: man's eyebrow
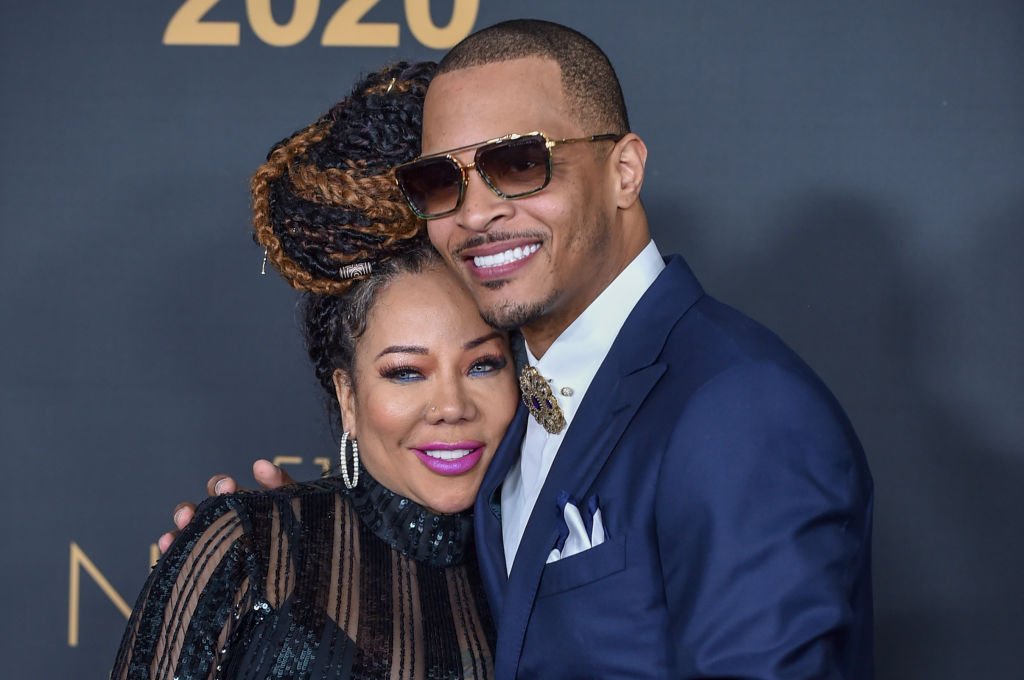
pixel 481 340
pixel 402 349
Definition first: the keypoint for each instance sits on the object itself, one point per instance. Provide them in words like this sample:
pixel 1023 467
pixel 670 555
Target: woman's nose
pixel 451 402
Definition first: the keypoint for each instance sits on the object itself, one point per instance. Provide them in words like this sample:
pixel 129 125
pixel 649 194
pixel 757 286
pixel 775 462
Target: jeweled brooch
pixel 540 400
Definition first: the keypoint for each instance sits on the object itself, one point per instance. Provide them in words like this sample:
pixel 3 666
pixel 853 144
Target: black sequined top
pixel 313 581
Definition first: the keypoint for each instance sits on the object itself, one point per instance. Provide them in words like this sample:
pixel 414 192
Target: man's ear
pixel 630 157
pixel 346 400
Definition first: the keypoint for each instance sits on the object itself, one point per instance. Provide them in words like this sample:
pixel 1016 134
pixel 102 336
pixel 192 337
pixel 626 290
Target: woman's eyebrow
pixel 481 340
pixel 402 349
pixel 417 349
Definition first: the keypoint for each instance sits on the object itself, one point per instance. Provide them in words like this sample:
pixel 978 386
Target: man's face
pixel 535 262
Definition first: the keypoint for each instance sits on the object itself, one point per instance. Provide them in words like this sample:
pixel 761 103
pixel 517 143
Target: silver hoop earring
pixel 350 482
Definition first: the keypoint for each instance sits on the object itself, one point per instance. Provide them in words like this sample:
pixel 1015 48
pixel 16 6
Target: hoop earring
pixel 350 482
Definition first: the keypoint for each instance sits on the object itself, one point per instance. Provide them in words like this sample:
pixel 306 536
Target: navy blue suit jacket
pixel 737 504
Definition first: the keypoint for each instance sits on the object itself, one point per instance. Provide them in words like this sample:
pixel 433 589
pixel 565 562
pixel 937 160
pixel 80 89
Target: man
pixel 686 499
pixel 733 493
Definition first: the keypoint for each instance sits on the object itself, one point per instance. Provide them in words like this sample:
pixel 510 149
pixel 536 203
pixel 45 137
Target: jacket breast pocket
pixel 583 568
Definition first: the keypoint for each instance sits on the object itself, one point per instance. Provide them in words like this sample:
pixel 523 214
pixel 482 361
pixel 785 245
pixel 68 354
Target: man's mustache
pixel 484 239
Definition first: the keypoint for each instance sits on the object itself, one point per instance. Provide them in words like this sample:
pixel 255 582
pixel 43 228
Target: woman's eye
pixel 401 374
pixel 487 365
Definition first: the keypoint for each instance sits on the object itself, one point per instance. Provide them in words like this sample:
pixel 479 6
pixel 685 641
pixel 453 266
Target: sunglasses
pixel 512 166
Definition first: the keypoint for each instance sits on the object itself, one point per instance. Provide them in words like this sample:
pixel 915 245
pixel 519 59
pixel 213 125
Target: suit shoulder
pixel 733 380
pixel 716 352
pixel 766 419
pixel 713 331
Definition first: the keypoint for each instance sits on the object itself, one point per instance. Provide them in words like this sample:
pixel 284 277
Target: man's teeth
pixel 449 455
pixel 506 256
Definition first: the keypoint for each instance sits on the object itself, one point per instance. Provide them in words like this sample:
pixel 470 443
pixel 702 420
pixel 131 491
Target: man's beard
pixel 512 315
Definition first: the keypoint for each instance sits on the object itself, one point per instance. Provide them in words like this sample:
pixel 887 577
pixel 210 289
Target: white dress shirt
pixel 569 365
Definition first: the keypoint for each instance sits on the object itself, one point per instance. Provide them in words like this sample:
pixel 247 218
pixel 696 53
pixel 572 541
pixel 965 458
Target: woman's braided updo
pixel 326 198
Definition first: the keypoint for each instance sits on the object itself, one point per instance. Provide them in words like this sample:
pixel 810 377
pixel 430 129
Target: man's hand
pixel 266 474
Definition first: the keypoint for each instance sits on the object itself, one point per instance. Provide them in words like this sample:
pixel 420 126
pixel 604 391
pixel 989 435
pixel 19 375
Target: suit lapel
pixel 487 513
pixel 621 384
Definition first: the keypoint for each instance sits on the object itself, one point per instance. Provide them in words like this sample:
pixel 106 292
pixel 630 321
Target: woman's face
pixel 433 392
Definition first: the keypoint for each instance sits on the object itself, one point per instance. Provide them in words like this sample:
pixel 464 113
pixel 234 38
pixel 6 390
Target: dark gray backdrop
pixel 849 173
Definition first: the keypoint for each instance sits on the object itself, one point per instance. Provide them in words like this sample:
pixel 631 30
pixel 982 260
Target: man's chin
pixel 510 315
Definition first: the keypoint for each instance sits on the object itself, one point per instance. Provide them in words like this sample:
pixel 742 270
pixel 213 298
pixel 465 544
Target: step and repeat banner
pixel 850 173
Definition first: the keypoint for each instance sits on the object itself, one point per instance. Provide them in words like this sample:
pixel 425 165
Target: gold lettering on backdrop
pixel 345 28
pixel 79 561
pixel 324 462
pixel 261 18
pixel 187 27
pixel 424 29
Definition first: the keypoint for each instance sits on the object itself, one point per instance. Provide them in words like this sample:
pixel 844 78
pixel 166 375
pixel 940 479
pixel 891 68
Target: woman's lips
pixel 450 458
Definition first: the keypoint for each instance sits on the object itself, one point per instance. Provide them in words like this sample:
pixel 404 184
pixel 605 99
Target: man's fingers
pixel 164 542
pixel 270 476
pixel 183 514
pixel 219 485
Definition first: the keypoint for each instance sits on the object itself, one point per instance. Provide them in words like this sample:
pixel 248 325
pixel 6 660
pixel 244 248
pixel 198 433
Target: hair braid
pixel 326 196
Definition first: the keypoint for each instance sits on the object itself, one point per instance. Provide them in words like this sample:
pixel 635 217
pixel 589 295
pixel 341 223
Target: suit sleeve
pixel 183 615
pixel 763 522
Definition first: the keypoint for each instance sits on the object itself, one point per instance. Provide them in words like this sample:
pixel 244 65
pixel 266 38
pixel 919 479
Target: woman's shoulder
pixel 260 509
pixel 326 486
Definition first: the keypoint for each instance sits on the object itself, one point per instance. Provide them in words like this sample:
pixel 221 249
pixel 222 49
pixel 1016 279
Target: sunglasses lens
pixel 431 185
pixel 515 167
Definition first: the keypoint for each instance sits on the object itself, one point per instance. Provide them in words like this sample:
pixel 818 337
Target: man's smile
pixel 505 256
pixel 499 259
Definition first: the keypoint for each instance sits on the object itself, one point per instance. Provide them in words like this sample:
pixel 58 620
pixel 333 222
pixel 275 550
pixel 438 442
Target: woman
pixel 370 573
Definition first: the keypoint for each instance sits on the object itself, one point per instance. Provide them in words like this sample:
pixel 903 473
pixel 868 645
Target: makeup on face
pixel 450 458
pixel 434 391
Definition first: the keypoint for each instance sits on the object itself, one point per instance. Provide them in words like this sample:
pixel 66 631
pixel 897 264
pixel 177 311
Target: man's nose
pixel 481 208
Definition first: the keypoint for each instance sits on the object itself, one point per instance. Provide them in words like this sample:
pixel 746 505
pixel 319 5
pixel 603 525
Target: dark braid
pixel 326 198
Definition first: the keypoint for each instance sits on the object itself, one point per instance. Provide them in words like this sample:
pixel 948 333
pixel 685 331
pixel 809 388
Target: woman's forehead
pixel 429 309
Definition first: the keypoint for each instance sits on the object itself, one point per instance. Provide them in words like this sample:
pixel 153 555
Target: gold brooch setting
pixel 540 400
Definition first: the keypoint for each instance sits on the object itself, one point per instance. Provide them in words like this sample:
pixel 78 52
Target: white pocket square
pixel 580 530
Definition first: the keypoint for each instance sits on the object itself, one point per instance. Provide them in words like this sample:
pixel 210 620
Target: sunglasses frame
pixel 464 169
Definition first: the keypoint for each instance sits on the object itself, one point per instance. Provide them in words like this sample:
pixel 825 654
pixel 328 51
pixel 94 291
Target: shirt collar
pixel 574 357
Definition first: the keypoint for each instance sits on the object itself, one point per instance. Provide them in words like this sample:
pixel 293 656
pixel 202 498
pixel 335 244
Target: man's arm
pixel 764 525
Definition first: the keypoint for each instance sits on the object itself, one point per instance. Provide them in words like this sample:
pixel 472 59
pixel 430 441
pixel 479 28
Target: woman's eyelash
pixel 398 372
pixel 494 362
pixel 401 372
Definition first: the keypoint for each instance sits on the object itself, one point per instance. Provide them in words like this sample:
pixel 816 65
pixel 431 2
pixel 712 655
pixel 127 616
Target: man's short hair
pixel 591 87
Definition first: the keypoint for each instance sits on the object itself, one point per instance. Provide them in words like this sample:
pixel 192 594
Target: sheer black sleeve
pixel 184 615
